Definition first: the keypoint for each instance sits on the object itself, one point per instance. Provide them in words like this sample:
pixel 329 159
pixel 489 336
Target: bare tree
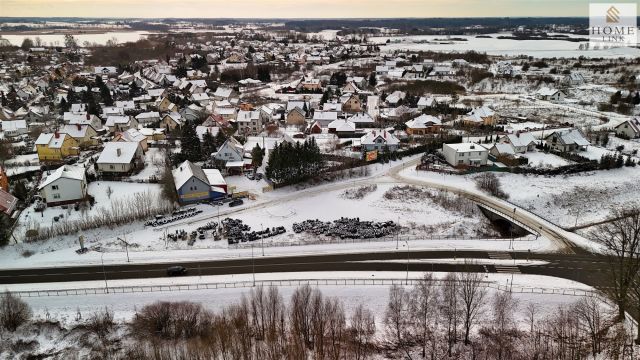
pixel 621 241
pixel 13 311
pixel 472 294
pixel 397 318
pixel 424 308
pixel 500 335
pixel 450 309
pixel 362 329
pixel 594 322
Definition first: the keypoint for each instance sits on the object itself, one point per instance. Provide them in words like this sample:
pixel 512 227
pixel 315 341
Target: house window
pixel 111 167
pixel 54 187
pixel 56 196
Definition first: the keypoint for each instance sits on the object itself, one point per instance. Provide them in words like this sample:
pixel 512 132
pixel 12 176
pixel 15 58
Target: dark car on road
pixel 236 202
pixel 176 271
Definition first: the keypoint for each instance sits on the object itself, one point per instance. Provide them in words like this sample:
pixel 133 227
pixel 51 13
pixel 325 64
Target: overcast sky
pixel 294 8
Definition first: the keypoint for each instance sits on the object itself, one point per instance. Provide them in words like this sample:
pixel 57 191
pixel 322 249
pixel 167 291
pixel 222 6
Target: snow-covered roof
pixel 214 177
pixel 521 139
pixel 67 172
pixel 369 138
pixel 13 125
pixel 75 131
pixel 342 126
pixel 423 121
pixel 466 147
pixel 186 171
pixel 545 91
pixel 325 115
pixel 132 135
pixel 223 92
pixel 148 115
pixel 571 137
pixel 118 152
pixel 112 120
pixel 361 118
pixel 504 149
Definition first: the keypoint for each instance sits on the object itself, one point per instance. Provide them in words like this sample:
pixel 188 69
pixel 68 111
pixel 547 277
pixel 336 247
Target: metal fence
pixel 294 282
pixel 401 238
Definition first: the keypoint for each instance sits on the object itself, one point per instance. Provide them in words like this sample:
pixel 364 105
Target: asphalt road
pixel 588 269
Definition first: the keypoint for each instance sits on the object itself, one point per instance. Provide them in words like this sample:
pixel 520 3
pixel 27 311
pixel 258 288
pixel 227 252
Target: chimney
pixel 78 126
pixel 119 152
pixel 88 116
pixel 56 134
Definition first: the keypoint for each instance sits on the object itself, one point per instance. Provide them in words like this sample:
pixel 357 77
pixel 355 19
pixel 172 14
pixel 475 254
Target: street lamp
pixel 106 286
pixel 262 238
pixel 407 280
pixel 126 247
pixel 398 233
pixel 253 266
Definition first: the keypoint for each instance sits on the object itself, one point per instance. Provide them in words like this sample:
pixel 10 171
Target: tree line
pixel 456 317
pixel 292 163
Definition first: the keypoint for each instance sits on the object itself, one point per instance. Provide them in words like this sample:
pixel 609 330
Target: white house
pixel 468 154
pixel 521 142
pixel 629 129
pixel 14 128
pixel 148 117
pixel 120 158
pixel 550 94
pixel 67 184
pixel 230 151
pixel 567 140
pixel 378 139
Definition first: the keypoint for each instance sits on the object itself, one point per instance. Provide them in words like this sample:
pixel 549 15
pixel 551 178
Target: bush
pixel 172 320
pixel 490 183
pixel 13 311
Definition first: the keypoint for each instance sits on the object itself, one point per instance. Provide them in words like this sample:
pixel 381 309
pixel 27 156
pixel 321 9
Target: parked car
pixel 236 202
pixel 176 271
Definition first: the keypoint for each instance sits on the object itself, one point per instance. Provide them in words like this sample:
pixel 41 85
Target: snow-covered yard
pixel 541 159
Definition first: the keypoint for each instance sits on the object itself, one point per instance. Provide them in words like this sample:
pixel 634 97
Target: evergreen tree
pixel 64 106
pixel 208 145
pixel 20 191
pixel 372 79
pixel 220 138
pixel 189 143
pixel 5 226
pixel 257 155
pixel 105 94
pixel 71 96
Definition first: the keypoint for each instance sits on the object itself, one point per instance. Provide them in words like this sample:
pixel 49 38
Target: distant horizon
pixel 299 9
pixel 291 18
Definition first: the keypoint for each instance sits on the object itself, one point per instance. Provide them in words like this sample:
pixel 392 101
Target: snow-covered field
pixel 494 46
pixel 420 218
pixel 587 197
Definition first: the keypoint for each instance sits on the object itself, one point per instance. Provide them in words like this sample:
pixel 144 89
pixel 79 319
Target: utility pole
pixel 262 238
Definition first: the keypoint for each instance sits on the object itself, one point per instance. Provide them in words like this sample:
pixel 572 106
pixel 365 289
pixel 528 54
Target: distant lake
pixel 98 38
